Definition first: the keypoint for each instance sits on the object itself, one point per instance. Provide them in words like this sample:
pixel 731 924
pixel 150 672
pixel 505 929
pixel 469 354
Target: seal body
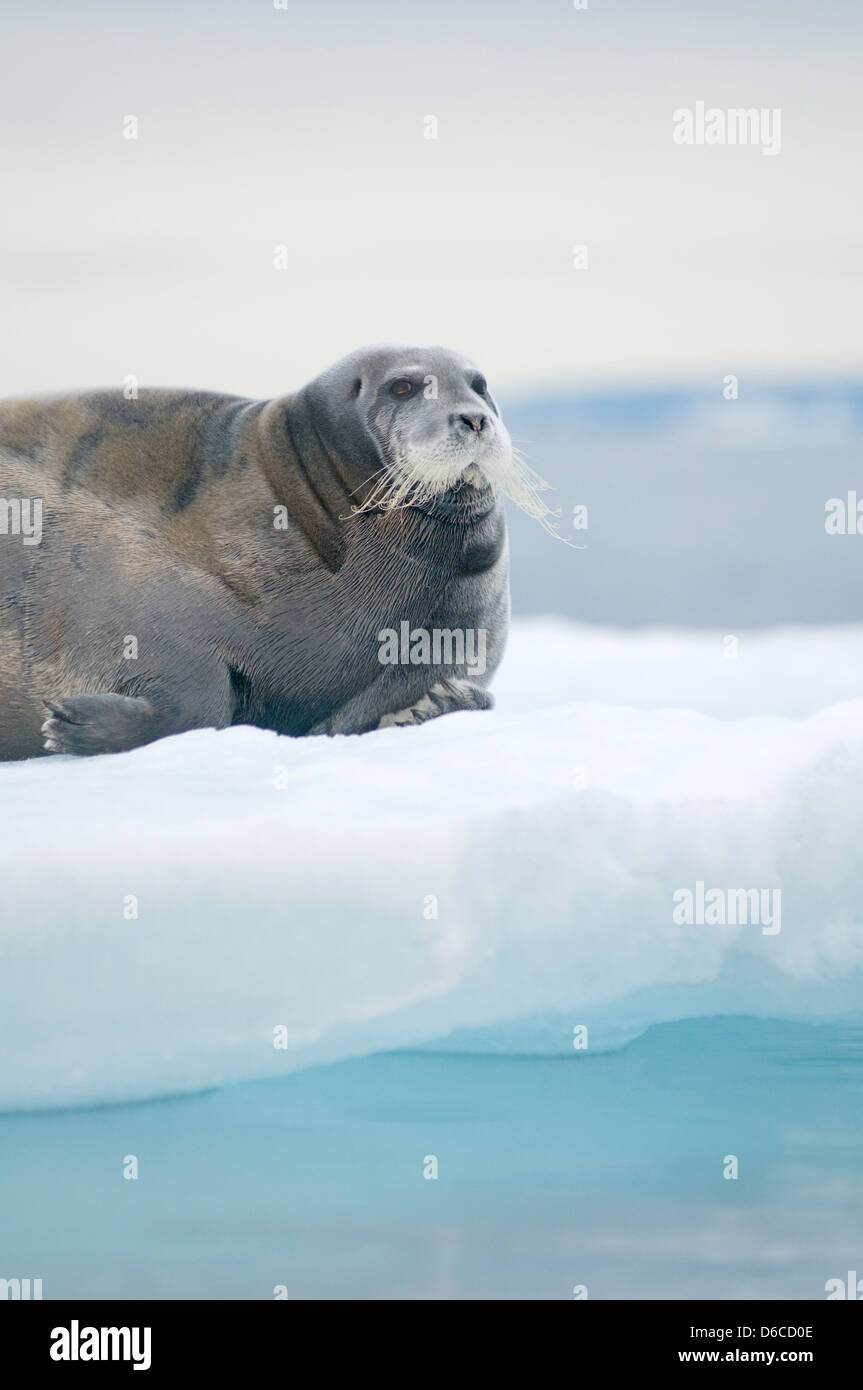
pixel 202 560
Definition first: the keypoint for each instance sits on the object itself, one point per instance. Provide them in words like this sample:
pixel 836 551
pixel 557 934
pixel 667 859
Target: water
pixel 600 1170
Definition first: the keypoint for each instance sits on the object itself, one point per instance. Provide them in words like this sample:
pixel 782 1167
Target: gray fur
pixel 159 524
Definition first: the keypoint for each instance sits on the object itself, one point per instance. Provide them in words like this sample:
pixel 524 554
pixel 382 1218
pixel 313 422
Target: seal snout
pixel 475 422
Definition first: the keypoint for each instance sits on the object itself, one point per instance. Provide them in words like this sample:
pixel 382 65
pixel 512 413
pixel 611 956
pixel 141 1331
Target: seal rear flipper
pixel 88 724
pixel 85 725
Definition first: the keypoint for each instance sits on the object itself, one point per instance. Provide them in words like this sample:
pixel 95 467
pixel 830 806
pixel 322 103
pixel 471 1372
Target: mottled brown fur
pixel 158 524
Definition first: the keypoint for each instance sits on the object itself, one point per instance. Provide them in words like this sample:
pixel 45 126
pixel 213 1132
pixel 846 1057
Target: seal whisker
pixel 522 485
pixel 355 490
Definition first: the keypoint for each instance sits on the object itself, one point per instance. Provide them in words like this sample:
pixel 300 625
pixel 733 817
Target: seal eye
pixel 402 387
pixel 480 385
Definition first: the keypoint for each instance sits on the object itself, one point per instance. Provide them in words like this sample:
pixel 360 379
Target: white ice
pixel 485 881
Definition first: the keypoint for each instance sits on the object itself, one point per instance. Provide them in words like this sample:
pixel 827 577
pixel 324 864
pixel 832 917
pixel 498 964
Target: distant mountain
pixel 702 511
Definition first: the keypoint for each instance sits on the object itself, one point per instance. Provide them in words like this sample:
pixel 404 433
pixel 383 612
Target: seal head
pixel 419 424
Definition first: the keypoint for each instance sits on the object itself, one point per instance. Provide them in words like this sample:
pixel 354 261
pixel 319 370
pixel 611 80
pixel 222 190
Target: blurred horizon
pixel 297 136
pixel 701 511
pixel 304 128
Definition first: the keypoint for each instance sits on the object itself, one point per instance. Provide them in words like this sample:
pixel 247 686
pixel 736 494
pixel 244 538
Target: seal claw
pixel 60 709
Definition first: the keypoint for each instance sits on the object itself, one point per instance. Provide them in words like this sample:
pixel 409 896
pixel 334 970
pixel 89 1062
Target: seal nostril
pixel 476 423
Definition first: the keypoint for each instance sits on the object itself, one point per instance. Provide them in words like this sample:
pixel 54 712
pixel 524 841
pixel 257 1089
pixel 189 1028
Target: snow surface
pixel 286 882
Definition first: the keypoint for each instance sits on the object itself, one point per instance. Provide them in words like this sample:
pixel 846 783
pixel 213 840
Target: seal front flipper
pixel 445 697
pixel 363 714
pixel 85 725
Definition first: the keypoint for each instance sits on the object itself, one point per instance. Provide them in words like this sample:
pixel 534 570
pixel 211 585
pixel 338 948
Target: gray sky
pixel 305 128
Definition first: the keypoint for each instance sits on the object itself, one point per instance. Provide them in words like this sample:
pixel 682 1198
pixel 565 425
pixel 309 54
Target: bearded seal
pixel 205 560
